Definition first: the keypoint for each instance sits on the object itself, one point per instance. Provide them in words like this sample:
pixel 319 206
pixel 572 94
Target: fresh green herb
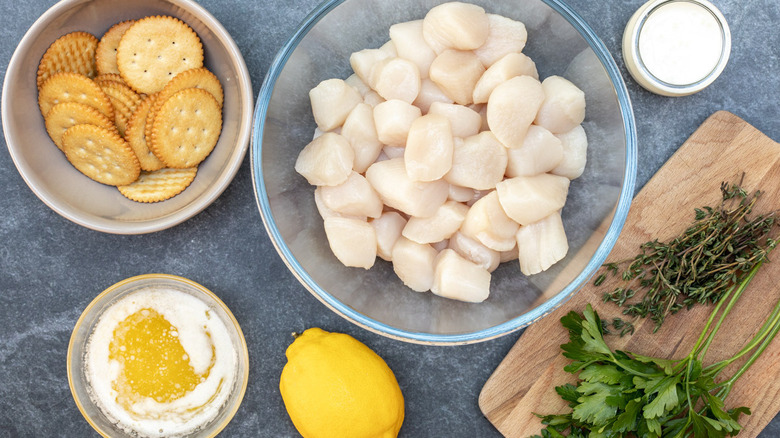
pixel 619 325
pixel 697 267
pixel 621 394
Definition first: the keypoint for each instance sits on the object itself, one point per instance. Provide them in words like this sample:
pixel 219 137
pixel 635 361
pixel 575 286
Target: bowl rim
pixel 165 221
pixel 243 354
pixel 512 325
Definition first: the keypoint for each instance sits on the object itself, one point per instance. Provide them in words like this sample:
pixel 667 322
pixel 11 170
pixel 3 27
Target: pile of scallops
pixel 445 154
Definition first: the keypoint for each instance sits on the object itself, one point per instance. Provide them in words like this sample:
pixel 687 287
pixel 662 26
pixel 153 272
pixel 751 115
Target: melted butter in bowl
pixel 152 361
pixel 158 360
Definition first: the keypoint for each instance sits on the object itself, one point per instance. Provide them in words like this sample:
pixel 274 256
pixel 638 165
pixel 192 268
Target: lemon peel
pixel 334 386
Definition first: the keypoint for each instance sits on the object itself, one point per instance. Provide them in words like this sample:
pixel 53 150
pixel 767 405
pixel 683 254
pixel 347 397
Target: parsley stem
pixel 727 310
pixel 633 371
pixel 769 327
pixel 698 345
pixel 701 347
pixel 727 385
pixel 688 386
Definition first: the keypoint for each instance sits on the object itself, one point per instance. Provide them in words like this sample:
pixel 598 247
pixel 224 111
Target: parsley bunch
pixel 622 394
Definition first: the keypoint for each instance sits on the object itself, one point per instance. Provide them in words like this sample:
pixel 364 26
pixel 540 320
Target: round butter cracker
pixel 73 87
pixel 100 154
pixel 73 52
pixel 105 55
pixel 109 77
pixel 186 128
pixel 122 115
pixel 154 50
pixel 194 78
pixel 65 115
pixel 159 185
pixel 136 136
pixel 122 93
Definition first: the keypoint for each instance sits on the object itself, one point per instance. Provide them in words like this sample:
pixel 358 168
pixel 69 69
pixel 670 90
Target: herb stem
pixel 633 371
pixel 702 336
pixel 727 385
pixel 728 308
pixel 688 386
pixel 770 326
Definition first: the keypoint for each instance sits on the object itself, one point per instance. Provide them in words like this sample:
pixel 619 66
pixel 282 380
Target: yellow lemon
pixel 335 386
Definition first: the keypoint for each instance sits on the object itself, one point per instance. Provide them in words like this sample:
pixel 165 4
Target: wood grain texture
pixel 722 149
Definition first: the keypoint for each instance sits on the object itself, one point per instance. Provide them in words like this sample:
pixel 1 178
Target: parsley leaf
pixel 627 420
pixel 665 400
pixel 592 407
pixel 609 374
pixel 568 392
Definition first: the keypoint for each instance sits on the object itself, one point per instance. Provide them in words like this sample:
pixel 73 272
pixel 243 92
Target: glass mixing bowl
pixel 560 43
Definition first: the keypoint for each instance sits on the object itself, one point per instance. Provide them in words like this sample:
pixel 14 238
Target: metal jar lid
pixel 676 47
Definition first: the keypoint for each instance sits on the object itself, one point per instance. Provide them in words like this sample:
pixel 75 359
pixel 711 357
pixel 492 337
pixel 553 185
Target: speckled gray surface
pixel 50 269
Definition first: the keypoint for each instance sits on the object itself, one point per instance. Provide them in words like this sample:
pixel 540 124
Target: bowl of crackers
pixel 130 119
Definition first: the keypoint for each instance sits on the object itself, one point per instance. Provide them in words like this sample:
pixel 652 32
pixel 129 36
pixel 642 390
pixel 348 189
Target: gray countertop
pixel 50 268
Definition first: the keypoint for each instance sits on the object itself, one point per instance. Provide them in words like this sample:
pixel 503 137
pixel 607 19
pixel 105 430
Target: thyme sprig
pixel 697 267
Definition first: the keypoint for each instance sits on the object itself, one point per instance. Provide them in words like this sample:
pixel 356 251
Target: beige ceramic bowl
pixel 77 379
pixel 63 188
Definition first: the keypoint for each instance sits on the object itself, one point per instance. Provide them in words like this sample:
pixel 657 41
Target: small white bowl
pixel 63 188
pixel 79 384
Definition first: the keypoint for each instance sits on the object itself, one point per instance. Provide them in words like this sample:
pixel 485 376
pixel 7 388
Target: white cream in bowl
pixel 160 363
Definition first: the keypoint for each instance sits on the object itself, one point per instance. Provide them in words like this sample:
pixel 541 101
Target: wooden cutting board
pixel 722 149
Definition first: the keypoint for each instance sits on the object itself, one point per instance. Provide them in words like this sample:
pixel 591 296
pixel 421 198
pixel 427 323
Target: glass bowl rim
pixel 514 324
pixel 243 351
